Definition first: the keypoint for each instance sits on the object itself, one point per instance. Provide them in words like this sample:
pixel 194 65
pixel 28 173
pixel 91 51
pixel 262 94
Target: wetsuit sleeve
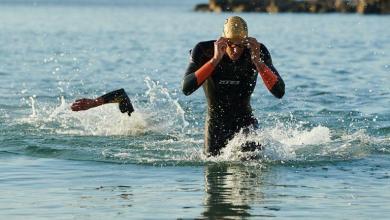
pixel 197 71
pixel 270 75
pixel 121 97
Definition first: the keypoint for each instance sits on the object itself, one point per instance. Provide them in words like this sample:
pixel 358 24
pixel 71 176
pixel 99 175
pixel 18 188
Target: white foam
pixel 161 114
pixel 279 143
pixel 156 111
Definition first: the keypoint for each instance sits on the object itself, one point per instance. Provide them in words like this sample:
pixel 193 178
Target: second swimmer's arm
pixel 117 96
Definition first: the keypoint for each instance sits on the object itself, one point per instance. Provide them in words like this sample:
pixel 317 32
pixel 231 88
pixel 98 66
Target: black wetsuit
pixel 121 97
pixel 228 91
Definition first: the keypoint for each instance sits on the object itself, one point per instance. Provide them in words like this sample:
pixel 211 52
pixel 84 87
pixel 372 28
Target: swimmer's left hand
pixel 254 47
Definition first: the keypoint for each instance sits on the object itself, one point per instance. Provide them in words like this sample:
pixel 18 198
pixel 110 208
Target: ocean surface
pixel 327 142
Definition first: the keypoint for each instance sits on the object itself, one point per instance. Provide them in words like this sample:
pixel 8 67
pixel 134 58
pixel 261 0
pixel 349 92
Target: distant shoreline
pixel 293 6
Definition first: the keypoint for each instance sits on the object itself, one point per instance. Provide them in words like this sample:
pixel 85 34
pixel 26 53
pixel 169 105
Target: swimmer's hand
pixel 219 50
pixel 254 47
pixel 125 105
pixel 85 104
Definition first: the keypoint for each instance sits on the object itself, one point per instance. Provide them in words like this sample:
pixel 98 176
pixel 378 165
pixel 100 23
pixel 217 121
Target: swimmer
pixel 227 70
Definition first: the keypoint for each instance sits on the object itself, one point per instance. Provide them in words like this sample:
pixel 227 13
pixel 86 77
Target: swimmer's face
pixel 235 49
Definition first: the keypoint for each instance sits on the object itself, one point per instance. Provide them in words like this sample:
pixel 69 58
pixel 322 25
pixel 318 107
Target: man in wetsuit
pixel 227 69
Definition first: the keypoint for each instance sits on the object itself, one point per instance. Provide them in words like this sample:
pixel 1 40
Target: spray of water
pixel 160 114
pixel 280 143
pixel 158 134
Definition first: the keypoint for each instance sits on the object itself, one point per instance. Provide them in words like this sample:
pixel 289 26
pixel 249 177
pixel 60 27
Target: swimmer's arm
pixel 271 78
pixel 117 96
pixel 193 80
pixel 197 71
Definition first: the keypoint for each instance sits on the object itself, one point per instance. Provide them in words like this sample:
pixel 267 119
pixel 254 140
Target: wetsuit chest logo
pixel 229 82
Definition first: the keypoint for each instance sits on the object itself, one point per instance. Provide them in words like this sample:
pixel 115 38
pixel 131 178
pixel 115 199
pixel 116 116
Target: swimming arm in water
pixel 117 96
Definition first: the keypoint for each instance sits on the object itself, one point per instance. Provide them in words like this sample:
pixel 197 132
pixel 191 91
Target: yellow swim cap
pixel 235 28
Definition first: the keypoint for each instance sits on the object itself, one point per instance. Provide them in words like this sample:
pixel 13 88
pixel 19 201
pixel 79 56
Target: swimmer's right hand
pixel 220 48
pixel 85 104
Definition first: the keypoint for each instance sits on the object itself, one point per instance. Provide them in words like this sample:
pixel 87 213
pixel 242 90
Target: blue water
pixel 327 142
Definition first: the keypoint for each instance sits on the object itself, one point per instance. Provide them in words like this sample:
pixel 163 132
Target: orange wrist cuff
pixel 204 72
pixel 269 77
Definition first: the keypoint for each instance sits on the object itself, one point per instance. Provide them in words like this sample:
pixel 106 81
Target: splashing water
pixel 160 114
pixel 283 143
pixel 158 130
pixel 279 143
pixel 165 107
pixel 34 113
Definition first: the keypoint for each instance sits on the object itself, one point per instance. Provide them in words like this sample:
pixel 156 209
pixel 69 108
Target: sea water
pixel 326 143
